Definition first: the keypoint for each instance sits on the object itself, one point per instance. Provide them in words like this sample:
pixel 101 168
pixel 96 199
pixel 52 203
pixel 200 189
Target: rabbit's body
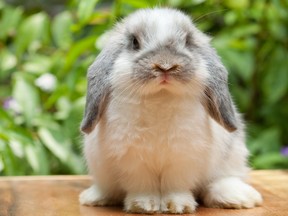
pixel 155 146
pixel 156 134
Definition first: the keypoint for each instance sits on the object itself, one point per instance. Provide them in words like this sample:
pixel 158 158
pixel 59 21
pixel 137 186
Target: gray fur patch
pixel 98 89
pixel 217 99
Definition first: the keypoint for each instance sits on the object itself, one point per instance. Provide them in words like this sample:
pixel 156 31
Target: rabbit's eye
pixel 188 40
pixel 135 43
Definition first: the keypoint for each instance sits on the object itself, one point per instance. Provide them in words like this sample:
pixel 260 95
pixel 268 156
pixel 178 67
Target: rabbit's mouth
pixel 165 79
pixel 164 82
pixel 170 78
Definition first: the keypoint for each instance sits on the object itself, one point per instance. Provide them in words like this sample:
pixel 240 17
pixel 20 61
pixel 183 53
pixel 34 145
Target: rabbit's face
pixel 157 50
pixel 160 51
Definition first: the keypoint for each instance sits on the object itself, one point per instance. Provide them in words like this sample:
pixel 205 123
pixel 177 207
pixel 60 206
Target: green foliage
pixel 39 119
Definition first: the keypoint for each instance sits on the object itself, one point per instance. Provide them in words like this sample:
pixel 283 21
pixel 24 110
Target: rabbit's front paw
pixel 93 197
pixel 178 203
pixel 142 203
pixel 232 193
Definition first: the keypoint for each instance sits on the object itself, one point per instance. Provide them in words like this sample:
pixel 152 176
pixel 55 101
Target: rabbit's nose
pixel 165 68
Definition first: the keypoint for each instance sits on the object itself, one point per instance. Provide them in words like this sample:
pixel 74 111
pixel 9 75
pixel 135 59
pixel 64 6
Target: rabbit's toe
pixel 178 203
pixel 93 197
pixel 140 203
pixel 232 193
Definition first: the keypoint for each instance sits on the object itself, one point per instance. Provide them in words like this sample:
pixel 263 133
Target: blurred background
pixel 46 47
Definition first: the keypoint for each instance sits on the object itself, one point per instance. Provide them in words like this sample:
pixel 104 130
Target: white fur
pixel 147 149
pixel 162 24
pixel 143 202
pixel 177 203
pixel 159 148
pixel 231 192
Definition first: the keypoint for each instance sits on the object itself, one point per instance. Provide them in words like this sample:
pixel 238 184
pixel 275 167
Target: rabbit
pixel 160 128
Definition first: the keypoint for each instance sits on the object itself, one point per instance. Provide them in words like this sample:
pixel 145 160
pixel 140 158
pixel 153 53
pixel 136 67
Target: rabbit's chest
pixel 154 136
pixel 149 130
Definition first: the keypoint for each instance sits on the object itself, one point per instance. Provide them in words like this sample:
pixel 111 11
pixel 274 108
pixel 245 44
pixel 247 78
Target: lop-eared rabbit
pixel 160 127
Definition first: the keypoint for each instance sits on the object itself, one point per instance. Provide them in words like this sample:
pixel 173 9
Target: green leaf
pixel 242 95
pixel 9 161
pixel 37 158
pixel 55 142
pixel 2 4
pixel 37 64
pixel 1 165
pixel 16 147
pixel 26 146
pixel 61 30
pixel 239 4
pixel 85 10
pixel 243 30
pixel 32 32
pixel 28 98
pixel 270 161
pixel 63 106
pixel 55 96
pixel 45 120
pixel 136 3
pixel 275 83
pixel 7 62
pixel 5 117
pixel 230 18
pixel 9 21
pixel 75 51
pixel 266 141
pixel 32 157
pixel 72 123
pixel 240 62
pixel 60 146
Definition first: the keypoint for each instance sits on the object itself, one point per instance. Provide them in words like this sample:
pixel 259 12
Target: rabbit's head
pixel 156 50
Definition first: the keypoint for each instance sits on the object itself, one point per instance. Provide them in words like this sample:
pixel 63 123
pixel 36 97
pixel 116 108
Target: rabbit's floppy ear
pixel 99 86
pixel 217 100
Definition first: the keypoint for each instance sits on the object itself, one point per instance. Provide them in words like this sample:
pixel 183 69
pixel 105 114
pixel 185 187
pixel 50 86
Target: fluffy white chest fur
pixel 162 140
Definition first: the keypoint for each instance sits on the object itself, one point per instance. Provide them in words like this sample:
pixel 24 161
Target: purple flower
pixel 11 104
pixel 284 151
pixel 6 103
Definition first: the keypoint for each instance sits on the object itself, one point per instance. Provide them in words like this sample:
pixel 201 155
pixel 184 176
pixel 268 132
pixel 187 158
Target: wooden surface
pixel 58 196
